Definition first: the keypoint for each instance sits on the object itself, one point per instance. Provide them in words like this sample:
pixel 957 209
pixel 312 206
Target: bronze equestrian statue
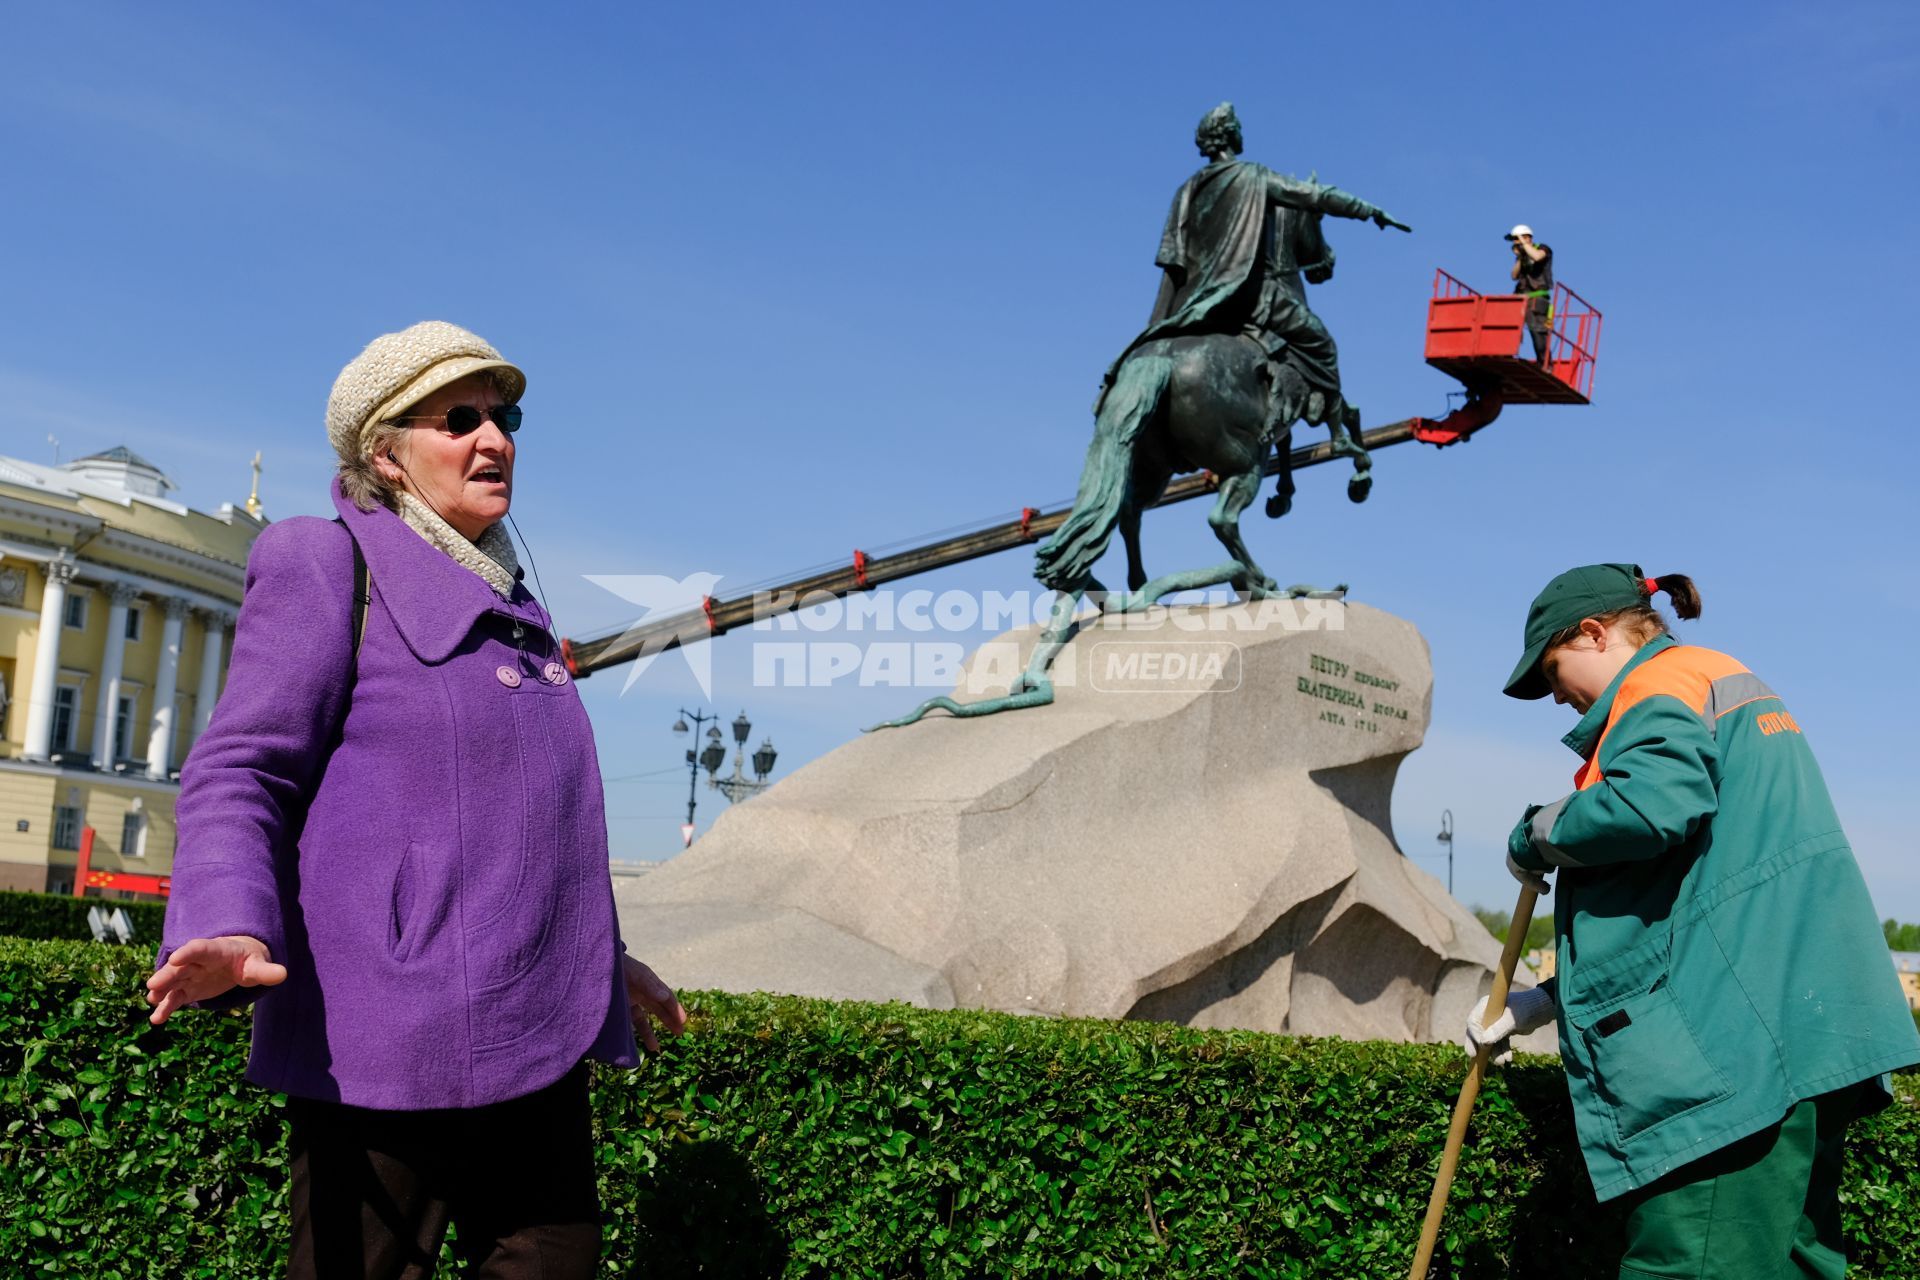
pixel 1230 359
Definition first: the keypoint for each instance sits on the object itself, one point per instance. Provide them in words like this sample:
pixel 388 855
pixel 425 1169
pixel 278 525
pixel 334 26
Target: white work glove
pixel 1527 1010
pixel 1534 880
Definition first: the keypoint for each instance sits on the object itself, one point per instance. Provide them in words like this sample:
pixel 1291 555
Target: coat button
pixel 554 673
pixel 507 676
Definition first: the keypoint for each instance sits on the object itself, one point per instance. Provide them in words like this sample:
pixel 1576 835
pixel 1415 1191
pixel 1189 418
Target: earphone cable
pixel 540 586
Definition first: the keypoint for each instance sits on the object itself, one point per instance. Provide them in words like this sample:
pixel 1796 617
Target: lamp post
pixel 739 787
pixel 712 756
pixel 1446 838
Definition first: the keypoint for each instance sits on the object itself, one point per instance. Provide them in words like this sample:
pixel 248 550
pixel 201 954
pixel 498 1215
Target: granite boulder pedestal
pixel 1196 831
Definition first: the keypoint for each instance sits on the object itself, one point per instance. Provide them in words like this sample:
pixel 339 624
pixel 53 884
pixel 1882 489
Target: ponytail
pixel 1680 589
pixel 1642 622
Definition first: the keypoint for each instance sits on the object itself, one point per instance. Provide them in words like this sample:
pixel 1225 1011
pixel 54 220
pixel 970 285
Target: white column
pixel 46 660
pixel 215 639
pixel 112 667
pixel 166 682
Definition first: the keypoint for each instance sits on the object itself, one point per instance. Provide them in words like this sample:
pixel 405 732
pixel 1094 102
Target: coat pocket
pixel 1647 1063
pixel 404 923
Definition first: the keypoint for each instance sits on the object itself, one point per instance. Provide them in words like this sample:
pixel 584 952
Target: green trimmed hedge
pixel 58 917
pixel 787 1137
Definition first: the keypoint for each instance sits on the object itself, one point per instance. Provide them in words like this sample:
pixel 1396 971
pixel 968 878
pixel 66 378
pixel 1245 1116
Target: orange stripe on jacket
pixel 1686 672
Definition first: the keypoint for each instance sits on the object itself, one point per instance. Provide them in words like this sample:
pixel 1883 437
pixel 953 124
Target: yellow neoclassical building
pixel 1907 965
pixel 116 615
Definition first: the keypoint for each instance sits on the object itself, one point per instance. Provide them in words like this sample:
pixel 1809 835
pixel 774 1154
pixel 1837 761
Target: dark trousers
pixel 1764 1208
pixel 1539 326
pixel 373 1191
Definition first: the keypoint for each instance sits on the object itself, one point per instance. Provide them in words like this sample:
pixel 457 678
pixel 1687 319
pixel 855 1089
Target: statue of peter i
pixel 1227 271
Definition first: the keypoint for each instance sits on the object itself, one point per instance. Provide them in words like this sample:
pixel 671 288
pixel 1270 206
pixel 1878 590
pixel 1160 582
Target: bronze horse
pixel 1182 404
pixel 1193 403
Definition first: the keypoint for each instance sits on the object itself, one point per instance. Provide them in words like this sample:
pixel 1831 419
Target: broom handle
pixel 1470 1091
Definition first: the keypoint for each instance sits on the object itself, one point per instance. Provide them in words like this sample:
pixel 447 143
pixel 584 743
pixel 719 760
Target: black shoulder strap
pixel 362 589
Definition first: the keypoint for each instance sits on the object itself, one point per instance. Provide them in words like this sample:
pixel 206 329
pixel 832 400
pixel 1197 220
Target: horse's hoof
pixel 1278 505
pixel 1358 487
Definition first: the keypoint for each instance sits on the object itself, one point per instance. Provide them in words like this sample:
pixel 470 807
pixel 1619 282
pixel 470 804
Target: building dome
pixel 124 469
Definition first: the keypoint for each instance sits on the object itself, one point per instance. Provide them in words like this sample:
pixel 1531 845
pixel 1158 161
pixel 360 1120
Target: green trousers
pixel 1764 1208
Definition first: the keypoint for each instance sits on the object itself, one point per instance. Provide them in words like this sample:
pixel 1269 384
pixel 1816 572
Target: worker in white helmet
pixel 1533 276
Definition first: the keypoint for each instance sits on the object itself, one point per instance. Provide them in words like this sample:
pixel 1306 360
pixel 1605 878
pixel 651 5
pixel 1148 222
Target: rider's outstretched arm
pixel 1318 198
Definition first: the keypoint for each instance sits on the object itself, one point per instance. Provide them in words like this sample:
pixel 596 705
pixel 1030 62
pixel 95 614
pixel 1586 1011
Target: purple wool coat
pixel 422 843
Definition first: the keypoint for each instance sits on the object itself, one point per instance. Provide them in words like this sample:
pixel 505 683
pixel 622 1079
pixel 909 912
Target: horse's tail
pixel 1065 559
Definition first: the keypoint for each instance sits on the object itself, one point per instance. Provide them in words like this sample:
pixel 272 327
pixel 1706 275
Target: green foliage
pixel 801 1138
pixel 129 1151
pixel 1901 937
pixel 57 917
pixel 1539 929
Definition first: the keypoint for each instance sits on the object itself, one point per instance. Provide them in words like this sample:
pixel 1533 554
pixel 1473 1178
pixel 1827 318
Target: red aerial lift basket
pixel 1476 337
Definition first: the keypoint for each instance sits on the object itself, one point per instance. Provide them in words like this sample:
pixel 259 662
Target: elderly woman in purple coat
pixel 393 839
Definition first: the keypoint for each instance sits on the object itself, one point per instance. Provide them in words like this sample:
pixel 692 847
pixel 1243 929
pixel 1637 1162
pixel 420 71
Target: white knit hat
pixel 399 370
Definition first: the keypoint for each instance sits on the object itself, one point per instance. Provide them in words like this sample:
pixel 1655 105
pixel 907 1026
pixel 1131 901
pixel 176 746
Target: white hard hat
pixel 1520 230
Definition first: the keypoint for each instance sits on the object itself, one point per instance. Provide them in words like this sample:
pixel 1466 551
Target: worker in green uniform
pixel 1725 1001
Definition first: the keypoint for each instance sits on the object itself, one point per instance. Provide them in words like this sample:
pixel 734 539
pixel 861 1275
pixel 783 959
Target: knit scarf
pixel 492 557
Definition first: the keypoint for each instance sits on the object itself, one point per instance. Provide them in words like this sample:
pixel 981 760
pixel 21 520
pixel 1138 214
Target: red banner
pixel 85 878
pixel 161 885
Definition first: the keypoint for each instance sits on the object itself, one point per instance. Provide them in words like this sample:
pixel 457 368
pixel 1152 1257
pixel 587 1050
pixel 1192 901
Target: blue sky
pixel 791 280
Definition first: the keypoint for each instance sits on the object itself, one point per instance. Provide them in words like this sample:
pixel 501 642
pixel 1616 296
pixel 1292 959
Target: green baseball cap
pixel 1591 591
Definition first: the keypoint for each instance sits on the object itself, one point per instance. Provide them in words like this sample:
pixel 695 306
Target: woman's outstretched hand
pixel 650 1001
pixel 207 967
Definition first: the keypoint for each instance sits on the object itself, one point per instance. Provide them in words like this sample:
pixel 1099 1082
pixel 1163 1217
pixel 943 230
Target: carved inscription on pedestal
pixel 1359 698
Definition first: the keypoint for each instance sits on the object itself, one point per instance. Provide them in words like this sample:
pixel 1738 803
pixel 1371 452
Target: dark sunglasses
pixel 463 419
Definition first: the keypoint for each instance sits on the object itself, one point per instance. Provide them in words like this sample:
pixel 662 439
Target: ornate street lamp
pixel 713 755
pixel 694 761
pixel 1446 838
pixel 740 787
